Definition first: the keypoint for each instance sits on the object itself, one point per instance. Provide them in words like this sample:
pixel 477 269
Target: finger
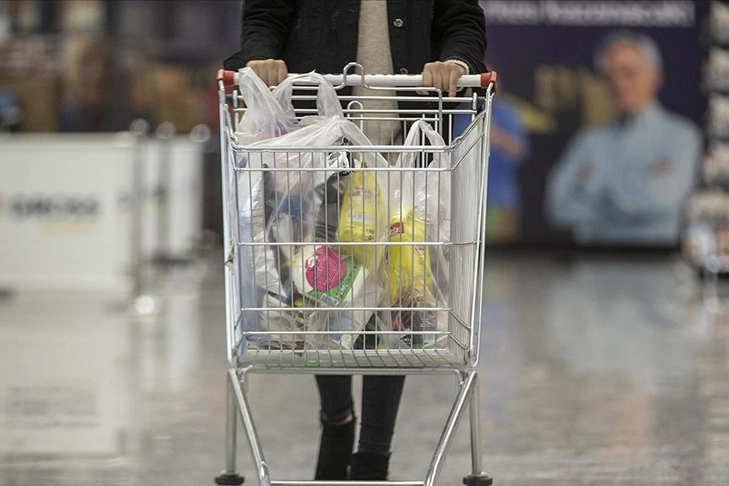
pixel 428 75
pixel 455 75
pixel 281 72
pixel 270 70
pixel 256 67
pixel 444 80
pixel 264 75
pixel 261 69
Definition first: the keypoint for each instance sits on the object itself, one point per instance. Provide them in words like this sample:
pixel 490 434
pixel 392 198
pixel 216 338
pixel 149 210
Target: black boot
pixel 335 450
pixel 370 467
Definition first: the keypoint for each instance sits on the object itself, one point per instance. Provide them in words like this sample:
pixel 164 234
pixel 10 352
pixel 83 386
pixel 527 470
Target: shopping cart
pixel 449 344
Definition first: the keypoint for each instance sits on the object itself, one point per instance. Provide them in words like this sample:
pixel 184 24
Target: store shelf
pixel 706 233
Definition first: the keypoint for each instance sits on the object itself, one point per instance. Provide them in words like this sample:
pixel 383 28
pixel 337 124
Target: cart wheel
pixel 229 480
pixel 480 480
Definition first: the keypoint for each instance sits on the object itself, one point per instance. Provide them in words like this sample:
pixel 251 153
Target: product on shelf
pixel 706 239
pixel 717 69
pixel 720 22
pixel 716 165
pixel 706 231
pixel 719 116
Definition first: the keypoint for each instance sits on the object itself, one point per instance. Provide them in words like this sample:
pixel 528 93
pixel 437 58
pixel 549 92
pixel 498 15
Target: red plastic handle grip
pixel 227 77
pixel 489 78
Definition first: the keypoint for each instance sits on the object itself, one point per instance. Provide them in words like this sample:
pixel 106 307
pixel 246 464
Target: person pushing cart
pixel 445 41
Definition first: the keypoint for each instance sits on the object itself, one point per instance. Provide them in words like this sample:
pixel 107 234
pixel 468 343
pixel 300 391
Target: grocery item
pixel 363 218
pixel 277 318
pixel 327 198
pixel 415 321
pixel 324 276
pixel 410 278
pixel 416 270
pixel 409 274
pixel 327 278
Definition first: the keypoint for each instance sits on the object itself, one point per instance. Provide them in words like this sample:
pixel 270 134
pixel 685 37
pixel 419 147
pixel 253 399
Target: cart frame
pixel 362 362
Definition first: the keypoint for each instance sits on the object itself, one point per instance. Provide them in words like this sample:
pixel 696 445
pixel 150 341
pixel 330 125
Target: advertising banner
pixel 597 135
pixel 65 208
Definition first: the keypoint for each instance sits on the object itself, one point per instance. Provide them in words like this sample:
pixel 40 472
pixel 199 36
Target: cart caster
pixel 229 480
pixel 480 480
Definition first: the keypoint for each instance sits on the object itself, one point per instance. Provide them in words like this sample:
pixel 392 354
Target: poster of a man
pixel 625 182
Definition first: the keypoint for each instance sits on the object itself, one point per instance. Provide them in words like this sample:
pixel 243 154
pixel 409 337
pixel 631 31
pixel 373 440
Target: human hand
pixel 271 71
pixel 443 75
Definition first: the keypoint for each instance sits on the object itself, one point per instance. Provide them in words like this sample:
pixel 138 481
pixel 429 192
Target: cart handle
pixel 230 78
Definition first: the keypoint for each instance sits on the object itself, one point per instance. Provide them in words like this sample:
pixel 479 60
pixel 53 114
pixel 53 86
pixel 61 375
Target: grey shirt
pixel 625 183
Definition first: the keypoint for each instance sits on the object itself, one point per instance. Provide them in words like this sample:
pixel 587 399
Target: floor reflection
pixel 594 372
pixel 66 389
pixel 607 381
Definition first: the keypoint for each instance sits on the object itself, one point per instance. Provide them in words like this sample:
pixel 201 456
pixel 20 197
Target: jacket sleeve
pixel 459 32
pixel 265 28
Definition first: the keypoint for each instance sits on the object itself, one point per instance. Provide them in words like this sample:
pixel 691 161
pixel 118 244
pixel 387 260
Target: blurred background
pixel 606 337
pixel 95 66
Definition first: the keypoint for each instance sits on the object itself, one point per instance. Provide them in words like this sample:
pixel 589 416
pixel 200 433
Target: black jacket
pixel 322 35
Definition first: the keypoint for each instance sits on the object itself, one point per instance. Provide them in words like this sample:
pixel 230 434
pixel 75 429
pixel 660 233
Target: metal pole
pixel 444 443
pixel 165 133
pixel 477 311
pixel 229 476
pixel 475 419
pixel 228 247
pixel 141 304
pixel 200 135
pixel 262 471
pixel 139 128
pixel 231 428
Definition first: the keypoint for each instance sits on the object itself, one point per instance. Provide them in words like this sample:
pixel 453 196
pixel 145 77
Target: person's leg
pixel 380 403
pixel 337 419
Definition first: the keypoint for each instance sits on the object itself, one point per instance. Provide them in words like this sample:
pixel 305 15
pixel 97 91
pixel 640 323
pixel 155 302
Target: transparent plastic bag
pixel 292 196
pixel 326 277
pixel 287 211
pixel 327 101
pixel 420 214
pixel 264 117
pixel 363 219
pixel 271 216
pixel 270 113
pixel 344 277
pixel 426 192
